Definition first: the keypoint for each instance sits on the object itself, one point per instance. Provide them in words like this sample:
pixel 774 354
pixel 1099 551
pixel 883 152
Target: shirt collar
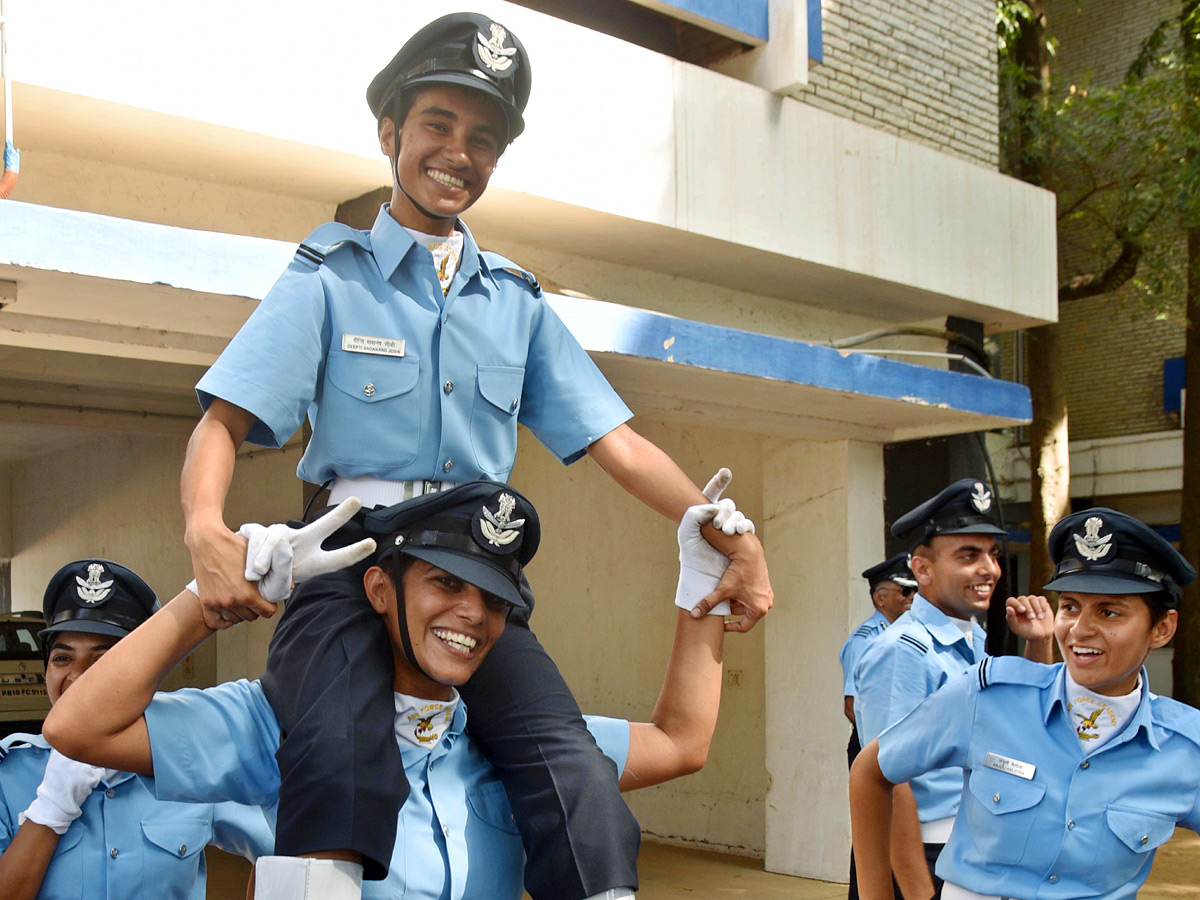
pixel 939 625
pixel 879 619
pixel 410 754
pixel 1142 717
pixel 390 243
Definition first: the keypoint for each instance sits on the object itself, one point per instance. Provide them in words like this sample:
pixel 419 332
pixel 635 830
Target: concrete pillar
pixel 824 517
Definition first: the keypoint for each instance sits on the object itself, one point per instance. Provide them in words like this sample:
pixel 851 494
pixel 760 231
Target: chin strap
pixel 419 208
pixel 402 617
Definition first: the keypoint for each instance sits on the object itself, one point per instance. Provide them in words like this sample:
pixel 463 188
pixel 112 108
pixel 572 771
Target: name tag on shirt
pixel 379 346
pixel 1011 766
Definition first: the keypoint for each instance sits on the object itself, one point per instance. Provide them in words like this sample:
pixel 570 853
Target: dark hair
pixel 1158 604
pixel 395 566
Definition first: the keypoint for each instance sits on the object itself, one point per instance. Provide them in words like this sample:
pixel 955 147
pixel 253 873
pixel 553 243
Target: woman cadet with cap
pixel 1075 772
pixel 68 829
pixel 415 354
pixel 448 577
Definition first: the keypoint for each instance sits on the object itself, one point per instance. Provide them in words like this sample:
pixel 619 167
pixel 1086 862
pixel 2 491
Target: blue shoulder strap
pixel 1179 717
pixel 1015 670
pixel 312 249
pixel 496 262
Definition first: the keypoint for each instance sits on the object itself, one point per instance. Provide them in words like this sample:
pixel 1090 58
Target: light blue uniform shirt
pixel 918 653
pixel 442 383
pixel 1084 825
pixel 126 843
pixel 853 649
pixel 456 837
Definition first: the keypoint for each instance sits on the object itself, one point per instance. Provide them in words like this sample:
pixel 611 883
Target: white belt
pixel 937 831
pixel 954 892
pixel 374 491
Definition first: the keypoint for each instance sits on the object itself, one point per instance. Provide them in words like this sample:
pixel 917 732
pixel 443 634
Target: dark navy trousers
pixel 329 680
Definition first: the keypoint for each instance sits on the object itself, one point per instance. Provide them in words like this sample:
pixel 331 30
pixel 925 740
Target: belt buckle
pixel 429 487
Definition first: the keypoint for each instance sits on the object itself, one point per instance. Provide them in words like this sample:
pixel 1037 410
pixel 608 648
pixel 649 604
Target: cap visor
pixel 1108 583
pixel 980 528
pixel 472 570
pixel 85 626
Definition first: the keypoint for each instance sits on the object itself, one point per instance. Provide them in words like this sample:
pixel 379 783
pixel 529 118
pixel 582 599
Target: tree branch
pixel 1123 268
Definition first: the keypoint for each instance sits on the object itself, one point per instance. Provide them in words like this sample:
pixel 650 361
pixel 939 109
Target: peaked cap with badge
pixel 96 596
pixel 965 507
pixel 482 532
pixel 462 49
pixel 1102 551
pixel 894 569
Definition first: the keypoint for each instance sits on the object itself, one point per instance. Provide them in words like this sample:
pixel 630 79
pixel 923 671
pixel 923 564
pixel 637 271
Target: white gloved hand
pixel 278 556
pixel 701 565
pixel 64 788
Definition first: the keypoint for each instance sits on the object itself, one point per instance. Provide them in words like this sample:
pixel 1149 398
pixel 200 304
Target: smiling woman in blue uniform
pixel 1076 772
pixel 68 829
pixel 446 580
pixel 414 355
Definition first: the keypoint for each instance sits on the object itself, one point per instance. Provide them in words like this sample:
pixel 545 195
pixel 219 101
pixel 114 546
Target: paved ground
pixel 672 873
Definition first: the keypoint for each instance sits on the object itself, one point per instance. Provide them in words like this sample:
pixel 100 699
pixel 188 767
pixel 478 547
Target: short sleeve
pixel 566 401
pixel 612 736
pixel 215 745
pixel 273 365
pixel 935 735
pixel 891 680
pixel 8 827
pixel 851 652
pixel 248 831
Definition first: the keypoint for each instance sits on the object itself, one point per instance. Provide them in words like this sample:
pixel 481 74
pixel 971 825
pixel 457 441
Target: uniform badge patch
pixel 981 498
pixel 1011 766
pixel 496 530
pixel 1092 545
pixel 491 51
pixel 93 590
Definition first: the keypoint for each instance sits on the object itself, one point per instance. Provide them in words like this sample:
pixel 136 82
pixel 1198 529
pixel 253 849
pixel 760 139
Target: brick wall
pixel 1100 38
pixel 921 69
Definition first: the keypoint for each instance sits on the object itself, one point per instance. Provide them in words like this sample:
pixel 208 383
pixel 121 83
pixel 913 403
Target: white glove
pixel 278 556
pixel 701 565
pixel 64 788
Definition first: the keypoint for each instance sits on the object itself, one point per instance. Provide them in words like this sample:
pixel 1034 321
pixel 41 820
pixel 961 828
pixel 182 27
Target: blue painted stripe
pixel 610 328
pixel 747 17
pixel 816 50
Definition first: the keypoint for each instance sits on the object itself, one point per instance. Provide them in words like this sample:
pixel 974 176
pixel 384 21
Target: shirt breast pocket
pixel 64 877
pixel 1001 813
pixel 494 418
pixel 1127 841
pixel 497 857
pixel 172 852
pixel 375 411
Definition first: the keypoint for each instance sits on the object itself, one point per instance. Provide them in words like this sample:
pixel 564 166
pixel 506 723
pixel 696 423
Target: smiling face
pixel 450 141
pixel 892 600
pixel 451 624
pixel 71 654
pixel 958 572
pixel 1105 638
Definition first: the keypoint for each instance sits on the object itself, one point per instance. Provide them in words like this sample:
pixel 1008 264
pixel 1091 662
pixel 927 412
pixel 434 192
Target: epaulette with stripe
pixel 1179 717
pixel 313 249
pixel 914 642
pixel 864 631
pixel 1014 670
pixel 496 262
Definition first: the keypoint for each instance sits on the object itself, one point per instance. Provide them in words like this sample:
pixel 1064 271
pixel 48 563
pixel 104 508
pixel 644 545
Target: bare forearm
pixel 677 738
pixel 99 721
pixel 646 472
pixel 23 865
pixel 1040 651
pixel 207 472
pixel 871 824
pixel 848 709
pixel 908 851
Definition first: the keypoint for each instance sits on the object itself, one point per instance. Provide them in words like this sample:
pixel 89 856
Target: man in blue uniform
pixel 892 586
pixel 68 829
pixel 415 354
pixel 954 559
pixel 1075 772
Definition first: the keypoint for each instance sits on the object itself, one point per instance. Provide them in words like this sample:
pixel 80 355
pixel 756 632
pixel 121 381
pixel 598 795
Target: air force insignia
pixel 93 590
pixel 492 52
pixel 1091 544
pixel 981 498
pixel 498 529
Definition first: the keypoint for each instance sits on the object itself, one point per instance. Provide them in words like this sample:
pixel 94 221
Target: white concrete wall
pixel 824 525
